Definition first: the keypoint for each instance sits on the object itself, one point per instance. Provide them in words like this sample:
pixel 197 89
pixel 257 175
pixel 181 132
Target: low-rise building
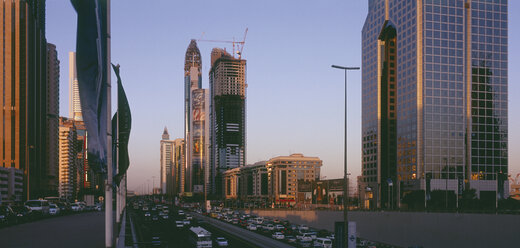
pixel 284 172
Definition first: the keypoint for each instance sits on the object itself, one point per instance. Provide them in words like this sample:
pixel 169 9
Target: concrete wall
pixel 425 229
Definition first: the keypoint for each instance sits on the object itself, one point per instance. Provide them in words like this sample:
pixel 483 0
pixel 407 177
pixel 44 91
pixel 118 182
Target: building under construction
pixel 227 82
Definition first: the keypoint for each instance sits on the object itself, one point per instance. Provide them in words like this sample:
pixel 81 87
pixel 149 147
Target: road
pixel 257 239
pixel 77 230
pixel 170 236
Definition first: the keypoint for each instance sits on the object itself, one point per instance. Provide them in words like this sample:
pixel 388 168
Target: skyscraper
pixel 53 111
pixel 74 101
pixel 24 93
pixel 227 82
pixel 68 169
pixel 434 99
pixel 196 130
pixel 177 169
pixel 167 153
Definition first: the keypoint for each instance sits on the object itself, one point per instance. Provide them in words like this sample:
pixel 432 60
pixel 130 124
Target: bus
pixel 200 237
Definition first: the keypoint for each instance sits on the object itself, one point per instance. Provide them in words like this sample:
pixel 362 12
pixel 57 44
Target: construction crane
pixel 238 44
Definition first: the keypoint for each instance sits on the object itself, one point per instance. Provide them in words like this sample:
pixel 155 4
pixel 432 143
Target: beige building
pixel 67 159
pixel 231 183
pixel 285 171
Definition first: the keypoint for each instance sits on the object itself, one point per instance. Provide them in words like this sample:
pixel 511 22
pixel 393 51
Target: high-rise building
pixel 227 82
pixel 167 154
pixel 177 169
pixel 24 93
pixel 53 111
pixel 74 100
pixel 434 99
pixel 196 176
pixel 68 159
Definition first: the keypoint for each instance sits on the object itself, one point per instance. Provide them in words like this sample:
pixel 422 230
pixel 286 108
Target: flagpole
pixel 109 219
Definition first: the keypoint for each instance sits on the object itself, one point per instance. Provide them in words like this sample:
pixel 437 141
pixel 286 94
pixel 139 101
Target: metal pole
pixel 345 179
pixel 109 220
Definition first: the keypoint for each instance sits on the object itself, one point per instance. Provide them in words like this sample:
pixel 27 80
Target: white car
pixel 269 227
pixel 279 227
pixel 54 209
pixel 221 242
pixel 278 235
pixel 303 227
pixel 323 242
pixel 38 206
pixel 305 237
pixel 251 227
pixel 179 224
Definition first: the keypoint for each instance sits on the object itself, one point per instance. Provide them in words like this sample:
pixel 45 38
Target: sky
pixel 295 100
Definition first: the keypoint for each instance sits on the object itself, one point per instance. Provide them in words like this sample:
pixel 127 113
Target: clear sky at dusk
pixel 294 98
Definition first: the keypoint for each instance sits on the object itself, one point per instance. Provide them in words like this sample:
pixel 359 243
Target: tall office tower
pixel 68 159
pixel 177 169
pixel 227 82
pixel 199 141
pixel 192 82
pixel 167 153
pixel 23 94
pixel 434 100
pixel 53 112
pixel 74 102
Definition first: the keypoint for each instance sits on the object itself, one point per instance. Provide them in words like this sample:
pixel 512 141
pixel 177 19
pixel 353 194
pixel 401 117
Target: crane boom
pixel 239 44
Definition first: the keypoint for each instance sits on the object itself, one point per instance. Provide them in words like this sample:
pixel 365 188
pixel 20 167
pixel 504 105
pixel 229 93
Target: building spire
pixel 165 135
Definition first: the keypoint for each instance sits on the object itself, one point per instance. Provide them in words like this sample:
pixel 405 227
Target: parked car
pixel 38 206
pixel 76 207
pixel 323 242
pixel 279 227
pixel 54 209
pixel 7 216
pixel 23 213
pixel 221 242
pixel 179 224
pixel 278 235
pixel 269 227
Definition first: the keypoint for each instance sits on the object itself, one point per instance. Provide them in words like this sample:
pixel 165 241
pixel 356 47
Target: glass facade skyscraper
pixel 445 75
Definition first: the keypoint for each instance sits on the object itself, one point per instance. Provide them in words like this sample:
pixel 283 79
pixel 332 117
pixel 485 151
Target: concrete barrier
pixel 415 228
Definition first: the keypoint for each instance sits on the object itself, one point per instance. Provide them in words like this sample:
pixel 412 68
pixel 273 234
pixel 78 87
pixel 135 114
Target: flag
pixel 91 64
pixel 124 127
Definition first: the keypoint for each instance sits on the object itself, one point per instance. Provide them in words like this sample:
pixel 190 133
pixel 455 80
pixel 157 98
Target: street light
pixel 345 183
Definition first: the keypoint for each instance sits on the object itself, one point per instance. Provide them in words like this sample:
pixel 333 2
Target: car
pixel 304 237
pixel 331 236
pixel 303 227
pixel 145 208
pixel 278 235
pixel 179 224
pixel 186 222
pixel 23 213
pixel 38 206
pixel 98 207
pixel 279 227
pixel 147 214
pixel 189 217
pixel 323 242
pixel 269 227
pixel 54 209
pixel 7 216
pixel 181 212
pixel 251 227
pixel 291 239
pixel 76 207
pixel 304 243
pixel 221 242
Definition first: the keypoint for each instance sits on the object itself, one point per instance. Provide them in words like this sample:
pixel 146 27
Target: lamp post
pixel 345 183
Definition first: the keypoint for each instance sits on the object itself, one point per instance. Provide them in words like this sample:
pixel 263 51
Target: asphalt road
pixel 170 236
pixel 257 239
pixel 77 230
